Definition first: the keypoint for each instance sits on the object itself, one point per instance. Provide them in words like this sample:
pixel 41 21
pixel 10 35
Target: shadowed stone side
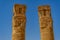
pixel 46 24
pixel 19 22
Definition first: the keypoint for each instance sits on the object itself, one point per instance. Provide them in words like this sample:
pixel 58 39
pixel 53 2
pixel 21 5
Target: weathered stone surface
pixel 19 22
pixel 46 24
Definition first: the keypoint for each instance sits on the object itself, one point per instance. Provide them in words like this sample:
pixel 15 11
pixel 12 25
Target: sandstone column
pixel 18 22
pixel 46 23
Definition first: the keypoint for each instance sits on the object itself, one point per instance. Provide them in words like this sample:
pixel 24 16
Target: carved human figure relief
pixel 46 23
pixel 19 22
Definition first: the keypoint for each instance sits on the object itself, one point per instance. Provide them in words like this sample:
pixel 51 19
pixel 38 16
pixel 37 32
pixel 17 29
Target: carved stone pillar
pixel 46 24
pixel 19 22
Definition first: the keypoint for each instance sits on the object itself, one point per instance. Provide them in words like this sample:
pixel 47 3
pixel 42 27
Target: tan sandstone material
pixel 19 22
pixel 46 23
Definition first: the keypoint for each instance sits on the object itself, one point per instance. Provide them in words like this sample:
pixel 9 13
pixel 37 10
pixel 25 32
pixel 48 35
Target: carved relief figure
pixel 19 22
pixel 46 23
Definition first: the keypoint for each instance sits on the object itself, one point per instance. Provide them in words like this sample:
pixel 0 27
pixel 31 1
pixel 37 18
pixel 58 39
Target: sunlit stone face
pixel 45 20
pixel 19 22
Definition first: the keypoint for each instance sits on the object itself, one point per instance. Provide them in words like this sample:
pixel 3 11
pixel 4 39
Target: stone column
pixel 18 22
pixel 46 23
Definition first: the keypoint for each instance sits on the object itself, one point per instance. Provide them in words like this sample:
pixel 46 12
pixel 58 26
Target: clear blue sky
pixel 32 25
